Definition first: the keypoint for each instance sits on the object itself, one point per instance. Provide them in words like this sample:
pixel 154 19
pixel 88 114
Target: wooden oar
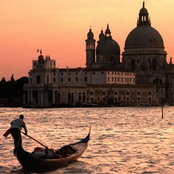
pixel 35 140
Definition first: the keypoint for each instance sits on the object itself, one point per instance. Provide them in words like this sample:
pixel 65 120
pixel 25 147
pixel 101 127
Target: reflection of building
pixel 143 77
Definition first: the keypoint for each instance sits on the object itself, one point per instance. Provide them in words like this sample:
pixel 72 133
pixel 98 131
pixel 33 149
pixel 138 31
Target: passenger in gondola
pixel 16 126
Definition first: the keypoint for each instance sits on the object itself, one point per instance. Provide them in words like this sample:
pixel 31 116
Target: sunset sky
pixel 60 28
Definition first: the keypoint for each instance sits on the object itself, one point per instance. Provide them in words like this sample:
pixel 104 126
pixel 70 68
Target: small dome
pixel 108 46
pixel 41 58
pixel 107 32
pixel 143 10
pixel 90 34
pixel 144 37
pixel 101 35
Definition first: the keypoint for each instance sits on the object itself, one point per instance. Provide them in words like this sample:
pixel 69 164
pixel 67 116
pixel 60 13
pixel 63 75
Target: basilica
pixel 143 77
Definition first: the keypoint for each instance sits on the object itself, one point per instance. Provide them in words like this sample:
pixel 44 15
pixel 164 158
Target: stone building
pixel 143 77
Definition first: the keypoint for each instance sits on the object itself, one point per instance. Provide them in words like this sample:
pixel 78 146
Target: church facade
pixel 142 78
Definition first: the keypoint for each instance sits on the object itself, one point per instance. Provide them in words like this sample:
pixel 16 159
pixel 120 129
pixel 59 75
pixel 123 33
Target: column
pixel 41 98
pixel 31 96
pixel 53 97
pixel 28 97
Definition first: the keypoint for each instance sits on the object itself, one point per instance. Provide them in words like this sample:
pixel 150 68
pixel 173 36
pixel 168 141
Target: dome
pixel 143 10
pixel 101 35
pixel 108 46
pixel 144 37
pixel 41 59
pixel 90 34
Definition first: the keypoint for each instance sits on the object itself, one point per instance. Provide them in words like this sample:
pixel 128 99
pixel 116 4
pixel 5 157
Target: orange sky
pixel 60 28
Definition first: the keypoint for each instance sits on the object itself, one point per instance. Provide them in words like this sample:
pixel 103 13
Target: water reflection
pixel 123 140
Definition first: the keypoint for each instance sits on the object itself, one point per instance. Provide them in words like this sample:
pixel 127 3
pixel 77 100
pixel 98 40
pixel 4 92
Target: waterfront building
pixel 143 77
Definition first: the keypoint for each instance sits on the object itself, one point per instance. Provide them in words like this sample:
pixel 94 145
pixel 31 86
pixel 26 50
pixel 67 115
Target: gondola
pixel 45 160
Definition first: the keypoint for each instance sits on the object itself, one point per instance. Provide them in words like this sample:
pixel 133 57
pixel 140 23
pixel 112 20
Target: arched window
pixel 138 93
pixel 103 93
pixel 85 79
pixel 92 93
pixel 154 65
pixel 116 93
pixel 127 93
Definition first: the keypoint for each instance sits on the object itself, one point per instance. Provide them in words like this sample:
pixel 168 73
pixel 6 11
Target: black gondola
pixel 50 159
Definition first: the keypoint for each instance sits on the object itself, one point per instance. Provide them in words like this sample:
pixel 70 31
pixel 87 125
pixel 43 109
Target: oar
pixel 35 140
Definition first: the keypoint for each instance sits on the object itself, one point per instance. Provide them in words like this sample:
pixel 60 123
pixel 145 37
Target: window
pixel 86 79
pixel 62 74
pixel 102 72
pixel 54 79
pixel 115 93
pixel 79 96
pixel 69 79
pixel 91 93
pixel 38 79
pixel 104 93
pixel 127 93
pixel 76 79
pixel 93 72
pixel 61 79
pixel 138 99
pixel 138 93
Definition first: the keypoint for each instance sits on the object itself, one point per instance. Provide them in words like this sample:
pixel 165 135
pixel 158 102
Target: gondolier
pixel 16 126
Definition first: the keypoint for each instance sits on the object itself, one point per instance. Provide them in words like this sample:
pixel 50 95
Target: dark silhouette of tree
pixel 12 78
pixel 3 80
pixel 11 92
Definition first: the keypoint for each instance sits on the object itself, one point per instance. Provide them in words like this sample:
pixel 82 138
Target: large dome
pixel 144 37
pixel 108 46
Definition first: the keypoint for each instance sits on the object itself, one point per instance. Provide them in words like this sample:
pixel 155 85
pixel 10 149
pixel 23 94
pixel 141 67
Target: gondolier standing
pixel 16 126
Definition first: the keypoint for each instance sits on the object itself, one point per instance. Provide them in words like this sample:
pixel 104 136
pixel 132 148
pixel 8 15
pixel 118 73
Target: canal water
pixel 125 140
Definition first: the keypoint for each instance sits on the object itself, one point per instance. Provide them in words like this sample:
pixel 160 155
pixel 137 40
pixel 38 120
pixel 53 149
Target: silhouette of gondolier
pixel 16 126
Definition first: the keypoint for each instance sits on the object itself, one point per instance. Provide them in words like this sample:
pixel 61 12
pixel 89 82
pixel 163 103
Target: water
pixel 123 140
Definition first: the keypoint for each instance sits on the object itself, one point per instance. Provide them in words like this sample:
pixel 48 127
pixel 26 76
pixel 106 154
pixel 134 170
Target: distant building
pixel 142 78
